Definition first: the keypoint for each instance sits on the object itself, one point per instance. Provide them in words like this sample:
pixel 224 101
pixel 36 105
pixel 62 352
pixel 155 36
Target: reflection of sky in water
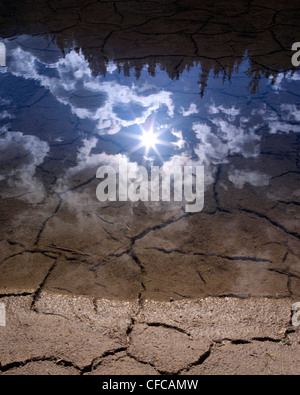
pixel 189 129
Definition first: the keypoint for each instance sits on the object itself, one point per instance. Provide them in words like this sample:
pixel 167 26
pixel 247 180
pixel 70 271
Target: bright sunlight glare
pixel 149 139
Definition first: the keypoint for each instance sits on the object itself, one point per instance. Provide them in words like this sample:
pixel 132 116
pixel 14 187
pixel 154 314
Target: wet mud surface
pixel 128 288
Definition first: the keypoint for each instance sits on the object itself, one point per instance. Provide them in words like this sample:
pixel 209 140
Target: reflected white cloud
pixel 87 160
pixel 289 77
pixel 20 156
pixel 282 121
pixel 291 111
pixel 180 143
pixel 231 112
pixel 92 97
pixel 224 138
pixel 192 110
pixel 277 127
pixel 6 115
pixel 240 177
pixel 219 140
pixel 111 68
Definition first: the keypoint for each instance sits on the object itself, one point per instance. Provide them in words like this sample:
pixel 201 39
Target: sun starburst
pixel 149 139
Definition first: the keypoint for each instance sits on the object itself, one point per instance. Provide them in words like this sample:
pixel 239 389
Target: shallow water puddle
pixel 155 85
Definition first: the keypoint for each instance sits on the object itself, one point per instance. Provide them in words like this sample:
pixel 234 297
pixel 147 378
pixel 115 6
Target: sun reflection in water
pixel 150 139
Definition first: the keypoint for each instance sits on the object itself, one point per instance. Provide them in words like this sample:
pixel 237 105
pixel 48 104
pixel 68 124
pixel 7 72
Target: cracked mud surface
pixel 81 336
pixel 147 288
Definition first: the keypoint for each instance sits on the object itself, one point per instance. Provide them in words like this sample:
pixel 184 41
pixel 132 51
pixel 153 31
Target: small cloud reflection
pixel 19 159
pixel 240 177
pixel 192 110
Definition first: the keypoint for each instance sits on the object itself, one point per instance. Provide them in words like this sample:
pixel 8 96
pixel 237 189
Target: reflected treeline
pixel 171 36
